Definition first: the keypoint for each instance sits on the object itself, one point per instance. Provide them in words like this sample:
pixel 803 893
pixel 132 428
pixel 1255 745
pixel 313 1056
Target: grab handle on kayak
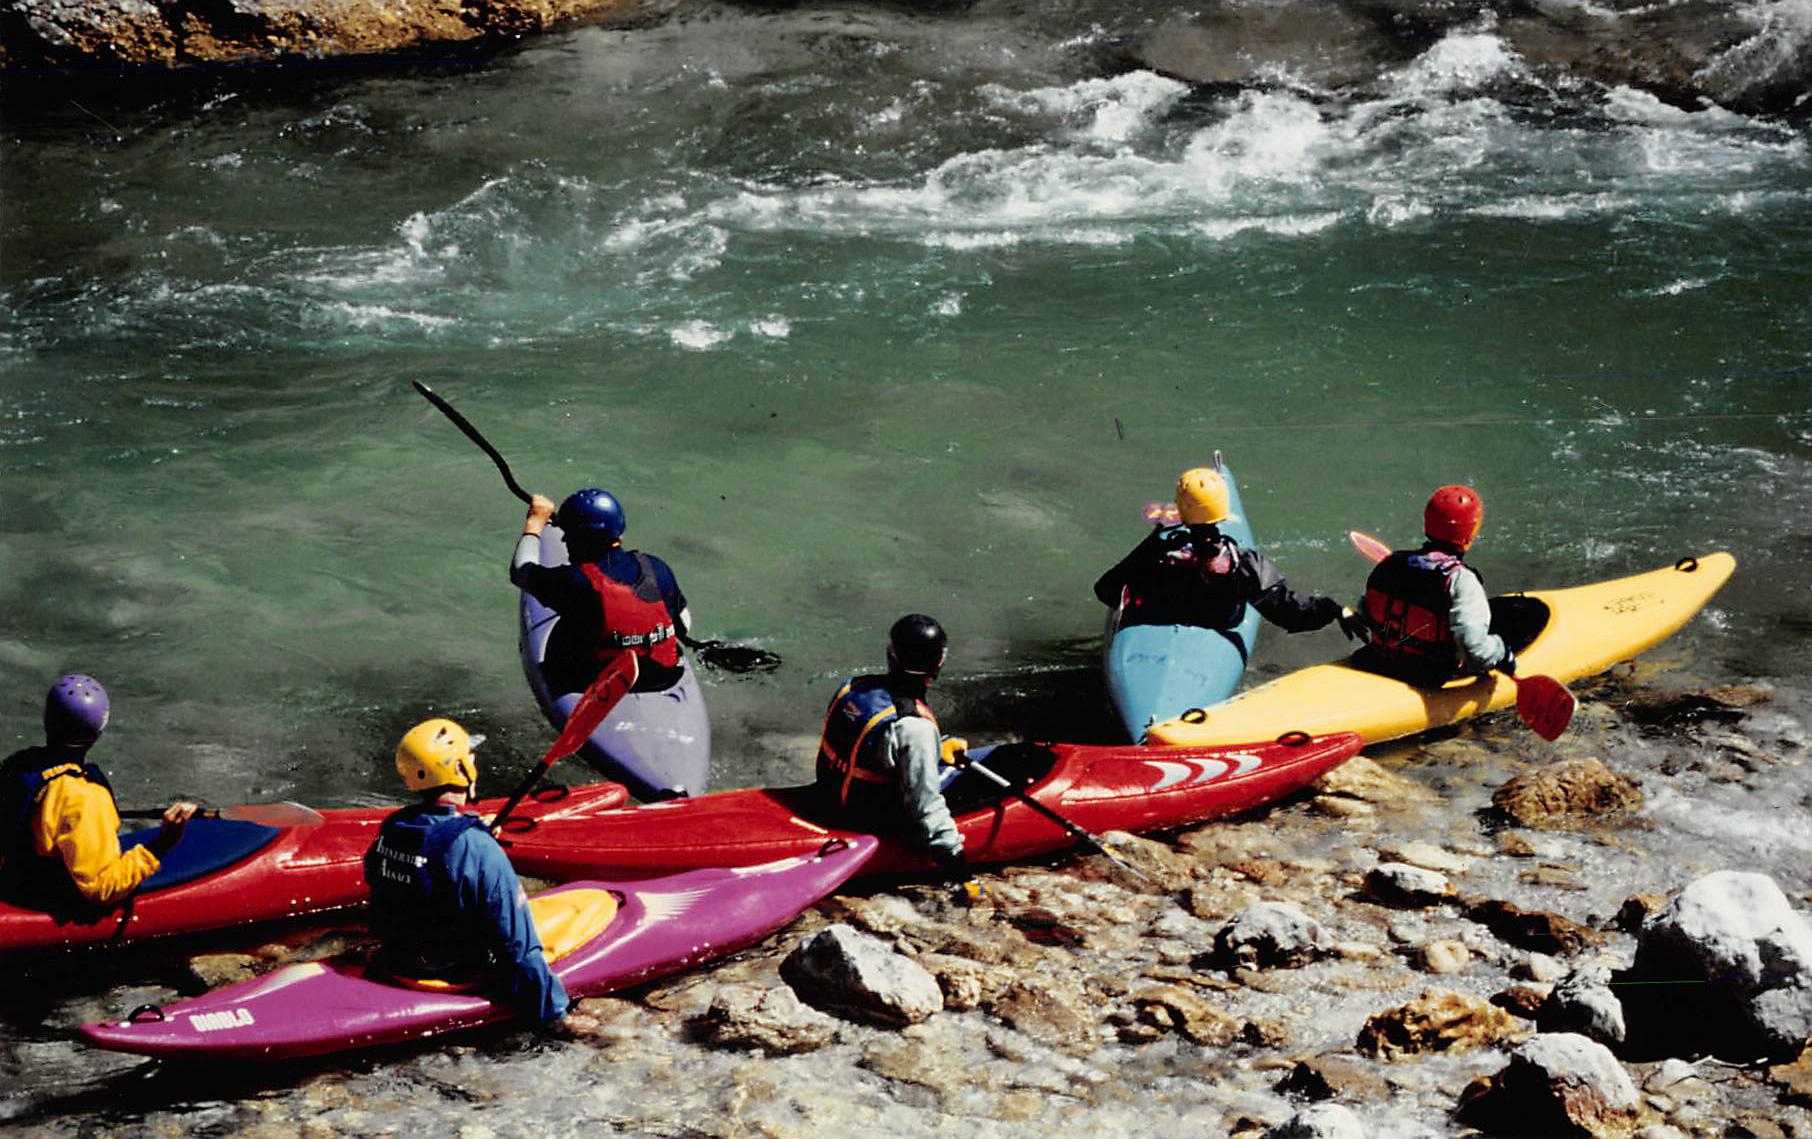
pixel 1294 738
pixel 146 1014
pixel 551 793
pixel 832 846
pixel 1194 716
pixel 1687 564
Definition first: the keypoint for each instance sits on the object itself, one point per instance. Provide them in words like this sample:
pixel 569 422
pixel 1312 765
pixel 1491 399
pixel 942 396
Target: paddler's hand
pixel 954 751
pixel 1352 625
pixel 540 513
pixel 176 816
pixel 1507 666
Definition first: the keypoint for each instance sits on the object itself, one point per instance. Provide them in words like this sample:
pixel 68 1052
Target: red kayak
pixel 227 873
pixel 1130 787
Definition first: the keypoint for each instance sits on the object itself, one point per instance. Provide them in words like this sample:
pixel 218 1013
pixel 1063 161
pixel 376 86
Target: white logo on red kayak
pixel 1192 771
pixel 220 1021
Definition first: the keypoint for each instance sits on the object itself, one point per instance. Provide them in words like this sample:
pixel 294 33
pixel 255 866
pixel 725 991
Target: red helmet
pixel 1453 515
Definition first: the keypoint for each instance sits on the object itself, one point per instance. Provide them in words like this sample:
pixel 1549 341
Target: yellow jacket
pixel 76 820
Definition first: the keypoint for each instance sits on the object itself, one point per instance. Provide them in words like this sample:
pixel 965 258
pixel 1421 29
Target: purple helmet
pixel 75 711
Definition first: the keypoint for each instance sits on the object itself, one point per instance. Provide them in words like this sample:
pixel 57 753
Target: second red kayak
pixel 232 873
pixel 1130 788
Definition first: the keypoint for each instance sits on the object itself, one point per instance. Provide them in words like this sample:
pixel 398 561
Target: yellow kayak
pixel 1563 633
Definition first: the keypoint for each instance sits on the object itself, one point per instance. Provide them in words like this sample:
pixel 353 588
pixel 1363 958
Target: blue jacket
pixel 446 903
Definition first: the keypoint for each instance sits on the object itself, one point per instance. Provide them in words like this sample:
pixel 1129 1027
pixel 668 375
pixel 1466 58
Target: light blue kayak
pixel 1158 672
pixel 657 744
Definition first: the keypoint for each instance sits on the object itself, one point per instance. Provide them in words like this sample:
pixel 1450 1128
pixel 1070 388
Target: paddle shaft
pixel 757 659
pixel 964 762
pixel 265 814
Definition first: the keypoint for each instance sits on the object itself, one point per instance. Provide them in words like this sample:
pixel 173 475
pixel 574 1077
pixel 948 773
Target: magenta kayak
pixel 652 927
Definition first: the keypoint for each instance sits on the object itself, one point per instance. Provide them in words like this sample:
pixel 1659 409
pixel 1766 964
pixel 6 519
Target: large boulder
pixel 1727 966
pixel 1558 1084
pixel 843 971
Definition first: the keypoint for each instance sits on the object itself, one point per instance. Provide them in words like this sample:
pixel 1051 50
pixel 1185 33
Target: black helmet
pixel 915 645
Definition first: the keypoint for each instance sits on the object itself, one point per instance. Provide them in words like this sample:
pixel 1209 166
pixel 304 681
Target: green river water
pixel 860 312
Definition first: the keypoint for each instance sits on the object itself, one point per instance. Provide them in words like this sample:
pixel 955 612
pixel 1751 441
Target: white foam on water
pixel 699 335
pixel 1102 110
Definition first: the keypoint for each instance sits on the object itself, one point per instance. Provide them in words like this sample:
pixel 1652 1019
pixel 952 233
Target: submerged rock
pixel 1270 934
pixel 1437 1022
pixel 1560 1084
pixel 1566 795
pixel 1320 1121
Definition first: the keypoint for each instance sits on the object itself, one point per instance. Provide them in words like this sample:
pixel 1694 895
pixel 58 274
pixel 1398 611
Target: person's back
pixel 878 755
pixel 1426 615
pixel 1193 574
pixel 445 903
pixel 609 599
pixel 61 848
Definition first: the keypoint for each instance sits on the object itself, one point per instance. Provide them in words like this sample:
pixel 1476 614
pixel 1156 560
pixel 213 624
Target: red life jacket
pixel 633 617
pixel 1407 605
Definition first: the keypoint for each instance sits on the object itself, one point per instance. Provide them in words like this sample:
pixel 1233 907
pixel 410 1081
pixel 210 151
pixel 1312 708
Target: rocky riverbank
pixel 1478 934
pixel 1752 58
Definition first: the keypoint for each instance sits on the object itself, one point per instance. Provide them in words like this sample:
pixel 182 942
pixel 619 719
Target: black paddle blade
pixel 736 658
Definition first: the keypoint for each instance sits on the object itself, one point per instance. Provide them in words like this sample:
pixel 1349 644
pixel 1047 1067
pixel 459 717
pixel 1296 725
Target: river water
pixel 860 311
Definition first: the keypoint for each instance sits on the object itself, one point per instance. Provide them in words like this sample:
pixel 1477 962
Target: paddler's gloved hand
pixel 952 751
pixel 955 868
pixel 1508 667
pixel 1352 625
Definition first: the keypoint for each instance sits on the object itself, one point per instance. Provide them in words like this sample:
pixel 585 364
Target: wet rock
pixel 1679 709
pixel 1220 897
pixel 1444 956
pixel 843 971
pixel 884 915
pixel 211 971
pixel 1330 1075
pixel 1400 884
pixel 1583 1002
pixel 1320 1121
pixel 1156 867
pixel 1533 929
pixel 1054 1012
pixel 920 1064
pixel 1566 795
pixel 1521 1000
pixel 1437 1021
pixel 1558 1084
pixel 1541 968
pixel 1171 1008
pixel 1268 935
pixel 1746 956
pixel 965 984
pixel 1363 779
pixel 1550 877
pixel 1426 855
pixel 772 1020
pixel 1794 1078
pixel 1636 910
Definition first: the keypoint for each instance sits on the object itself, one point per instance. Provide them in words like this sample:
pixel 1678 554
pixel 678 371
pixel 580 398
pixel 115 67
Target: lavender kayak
pixel 660 926
pixel 658 744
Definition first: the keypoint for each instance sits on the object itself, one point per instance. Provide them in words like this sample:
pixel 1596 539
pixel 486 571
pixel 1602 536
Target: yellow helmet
pixel 436 753
pixel 1203 497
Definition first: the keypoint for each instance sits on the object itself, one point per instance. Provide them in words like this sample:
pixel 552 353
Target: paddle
pixel 962 762
pixel 612 683
pixel 283 814
pixel 717 654
pixel 1544 704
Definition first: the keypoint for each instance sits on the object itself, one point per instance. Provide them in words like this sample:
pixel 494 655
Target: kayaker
pixel 1427 618
pixel 879 754
pixel 1192 574
pixel 608 598
pixel 61 847
pixel 445 902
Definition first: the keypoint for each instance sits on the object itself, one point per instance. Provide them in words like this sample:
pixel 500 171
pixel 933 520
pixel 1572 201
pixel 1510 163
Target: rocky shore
pixel 1744 57
pixel 1477 934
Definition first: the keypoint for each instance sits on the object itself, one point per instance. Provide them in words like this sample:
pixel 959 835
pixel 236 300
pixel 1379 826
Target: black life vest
pixel 1407 606
pixel 633 617
pixel 852 762
pixel 1193 581
pixel 414 900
